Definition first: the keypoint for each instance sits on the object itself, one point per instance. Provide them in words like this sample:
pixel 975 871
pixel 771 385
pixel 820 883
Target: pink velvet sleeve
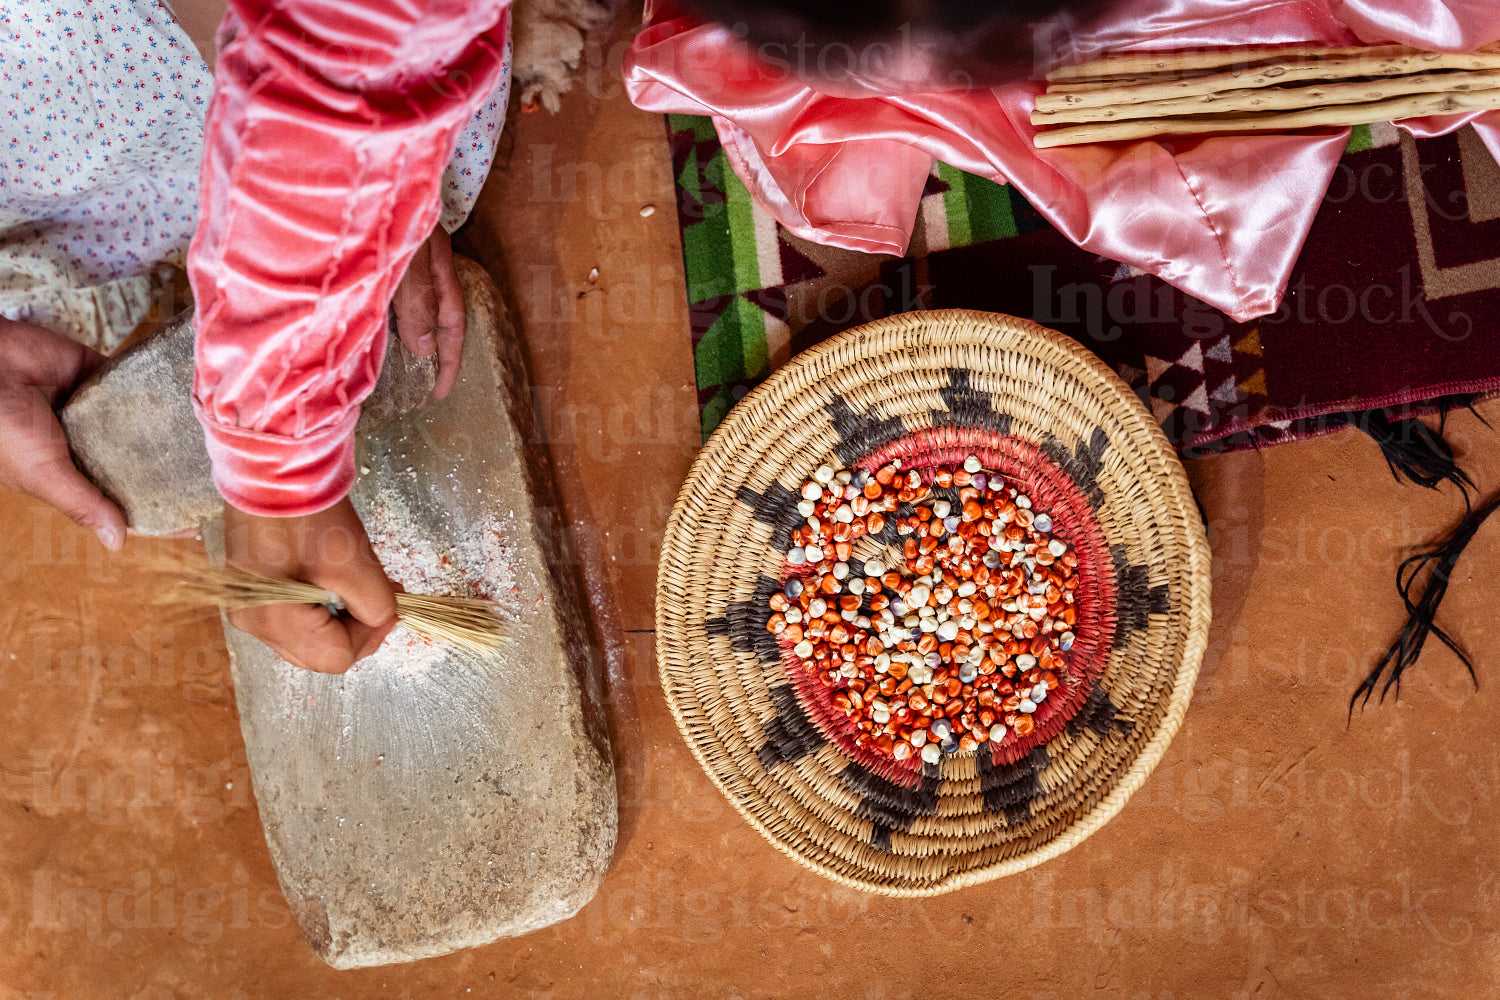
pixel 330 127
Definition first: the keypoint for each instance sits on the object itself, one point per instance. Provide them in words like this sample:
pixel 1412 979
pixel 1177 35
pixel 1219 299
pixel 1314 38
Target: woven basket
pixel 935 386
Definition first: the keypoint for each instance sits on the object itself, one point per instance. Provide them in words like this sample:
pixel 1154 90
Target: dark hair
pixel 979 41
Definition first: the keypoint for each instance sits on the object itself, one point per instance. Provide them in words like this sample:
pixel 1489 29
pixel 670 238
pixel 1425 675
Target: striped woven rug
pixel 1394 302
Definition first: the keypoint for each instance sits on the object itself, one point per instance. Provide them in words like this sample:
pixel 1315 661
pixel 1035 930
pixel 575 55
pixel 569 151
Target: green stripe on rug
pixel 751 321
pixel 706 244
pixel 757 352
pixel 978 209
pixel 955 205
pixel 990 216
pixel 702 126
pixel 741 229
pixel 734 346
pixel 1359 139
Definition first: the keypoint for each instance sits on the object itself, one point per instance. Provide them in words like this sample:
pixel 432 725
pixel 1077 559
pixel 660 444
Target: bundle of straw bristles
pixel 467 624
pixel 1139 95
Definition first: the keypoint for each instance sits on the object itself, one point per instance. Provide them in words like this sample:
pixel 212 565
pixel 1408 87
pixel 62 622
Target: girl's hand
pixel 331 550
pixel 429 308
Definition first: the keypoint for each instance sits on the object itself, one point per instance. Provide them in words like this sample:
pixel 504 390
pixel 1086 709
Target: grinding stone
pixel 132 429
pixel 427 801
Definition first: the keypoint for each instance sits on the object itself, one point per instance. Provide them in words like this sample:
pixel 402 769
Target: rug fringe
pixel 1422 456
pixel 1438 560
pixel 1412 450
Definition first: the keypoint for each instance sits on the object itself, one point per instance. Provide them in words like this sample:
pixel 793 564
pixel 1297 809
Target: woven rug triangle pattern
pixel 933 389
pixel 1394 301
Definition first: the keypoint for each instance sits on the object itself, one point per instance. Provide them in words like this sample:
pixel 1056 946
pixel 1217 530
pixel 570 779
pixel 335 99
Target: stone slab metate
pixel 428 801
pixel 132 430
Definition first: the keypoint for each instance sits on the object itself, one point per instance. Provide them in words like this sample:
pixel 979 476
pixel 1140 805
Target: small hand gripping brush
pixel 471 624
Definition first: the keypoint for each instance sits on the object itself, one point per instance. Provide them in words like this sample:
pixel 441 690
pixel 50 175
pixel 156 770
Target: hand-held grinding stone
pixel 132 429
pixel 429 800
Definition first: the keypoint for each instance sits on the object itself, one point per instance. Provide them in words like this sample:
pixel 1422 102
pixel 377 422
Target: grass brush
pixel 469 624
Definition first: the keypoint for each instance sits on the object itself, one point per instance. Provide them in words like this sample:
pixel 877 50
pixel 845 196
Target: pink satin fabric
pixel 1222 218
pixel 330 127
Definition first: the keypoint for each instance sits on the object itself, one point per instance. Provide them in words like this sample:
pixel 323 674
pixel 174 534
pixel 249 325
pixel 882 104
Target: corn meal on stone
pixel 427 800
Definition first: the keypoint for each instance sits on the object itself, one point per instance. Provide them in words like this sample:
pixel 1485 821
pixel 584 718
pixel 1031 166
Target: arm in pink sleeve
pixel 330 127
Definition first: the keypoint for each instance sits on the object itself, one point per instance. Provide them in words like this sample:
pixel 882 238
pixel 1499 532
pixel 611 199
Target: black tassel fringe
pixel 1438 560
pixel 1412 450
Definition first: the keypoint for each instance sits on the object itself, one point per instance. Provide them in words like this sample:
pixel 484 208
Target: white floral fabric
pixel 102 106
